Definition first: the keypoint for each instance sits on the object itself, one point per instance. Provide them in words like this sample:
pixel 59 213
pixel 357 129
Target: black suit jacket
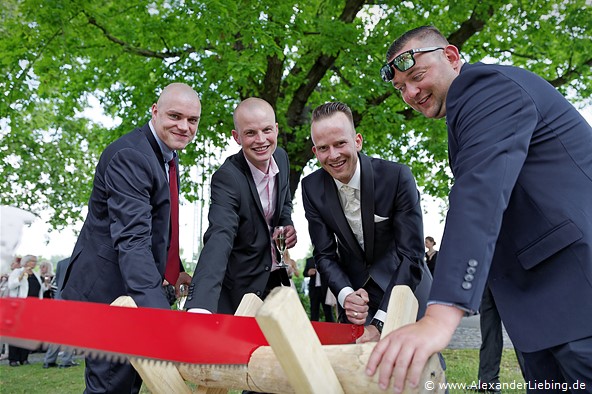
pixel 521 206
pixel 236 257
pixel 122 247
pixel 392 226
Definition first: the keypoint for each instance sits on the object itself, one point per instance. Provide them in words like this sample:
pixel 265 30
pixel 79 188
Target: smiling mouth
pixel 261 149
pixel 338 164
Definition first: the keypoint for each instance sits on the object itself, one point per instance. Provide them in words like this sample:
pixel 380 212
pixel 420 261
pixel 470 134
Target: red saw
pixel 145 332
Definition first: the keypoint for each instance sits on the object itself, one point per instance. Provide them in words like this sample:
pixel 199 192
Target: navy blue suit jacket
pixel 122 247
pixel 521 206
pixel 392 226
pixel 236 257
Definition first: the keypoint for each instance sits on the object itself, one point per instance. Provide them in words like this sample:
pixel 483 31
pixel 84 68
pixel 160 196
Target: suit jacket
pixel 59 276
pixel 392 226
pixel 236 257
pixel 310 263
pixel 521 206
pixel 122 247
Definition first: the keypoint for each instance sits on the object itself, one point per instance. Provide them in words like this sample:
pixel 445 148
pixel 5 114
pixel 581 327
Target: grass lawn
pixel 462 367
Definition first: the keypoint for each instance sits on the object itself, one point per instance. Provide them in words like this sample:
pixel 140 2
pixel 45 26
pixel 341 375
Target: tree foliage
pixel 57 56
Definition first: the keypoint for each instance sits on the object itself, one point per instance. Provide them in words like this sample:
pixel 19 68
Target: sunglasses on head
pixel 403 62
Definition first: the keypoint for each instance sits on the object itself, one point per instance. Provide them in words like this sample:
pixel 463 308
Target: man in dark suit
pixel 124 243
pixel 520 212
pixel 317 292
pixel 369 242
pixel 250 195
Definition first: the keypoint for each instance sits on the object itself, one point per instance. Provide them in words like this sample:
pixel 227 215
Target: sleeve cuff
pixel 344 293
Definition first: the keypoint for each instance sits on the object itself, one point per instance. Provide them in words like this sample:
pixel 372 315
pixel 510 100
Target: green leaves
pixel 55 56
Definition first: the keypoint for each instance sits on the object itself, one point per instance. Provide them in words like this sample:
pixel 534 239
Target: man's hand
pixel 185 280
pixel 356 306
pixel 371 334
pixel 290 232
pixel 404 352
pixel 311 271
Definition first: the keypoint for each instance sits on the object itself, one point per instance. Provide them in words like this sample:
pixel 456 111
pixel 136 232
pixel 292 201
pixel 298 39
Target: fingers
pixel 291 237
pixel 363 294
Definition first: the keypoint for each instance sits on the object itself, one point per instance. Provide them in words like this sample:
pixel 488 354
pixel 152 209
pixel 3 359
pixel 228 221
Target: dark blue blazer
pixel 122 247
pixel 392 226
pixel 236 257
pixel 521 206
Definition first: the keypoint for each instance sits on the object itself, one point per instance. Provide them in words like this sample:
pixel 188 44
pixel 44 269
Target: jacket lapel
pixel 367 203
pixel 244 167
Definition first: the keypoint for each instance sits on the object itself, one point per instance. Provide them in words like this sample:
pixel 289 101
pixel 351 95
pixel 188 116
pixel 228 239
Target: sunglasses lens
pixel 404 61
pixel 387 74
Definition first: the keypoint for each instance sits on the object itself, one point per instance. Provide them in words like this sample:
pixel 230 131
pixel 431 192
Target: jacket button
pixel 258 293
pixel 266 268
pixel 467 285
pixel 473 263
pixel 471 270
pixel 469 277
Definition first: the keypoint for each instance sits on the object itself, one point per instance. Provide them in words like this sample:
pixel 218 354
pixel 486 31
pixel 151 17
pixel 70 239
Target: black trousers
pixel 560 369
pixel 492 342
pixel 17 354
pixel 102 376
pixel 317 296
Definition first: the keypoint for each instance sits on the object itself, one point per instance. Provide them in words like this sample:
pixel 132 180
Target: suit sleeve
pixel 129 183
pixel 491 120
pixel 286 213
pixel 408 233
pixel 218 241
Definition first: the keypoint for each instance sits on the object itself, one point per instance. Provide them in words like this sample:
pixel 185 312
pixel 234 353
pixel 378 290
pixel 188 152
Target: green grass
pixel 462 368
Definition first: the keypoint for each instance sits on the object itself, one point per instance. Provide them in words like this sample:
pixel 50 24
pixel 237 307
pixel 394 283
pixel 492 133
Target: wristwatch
pixel 379 324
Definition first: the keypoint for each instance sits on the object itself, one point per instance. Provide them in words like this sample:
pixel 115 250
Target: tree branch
pixel 295 110
pixel 135 50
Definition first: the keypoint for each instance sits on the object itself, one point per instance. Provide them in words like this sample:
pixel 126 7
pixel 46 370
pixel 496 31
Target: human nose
pixel 183 124
pixel 410 92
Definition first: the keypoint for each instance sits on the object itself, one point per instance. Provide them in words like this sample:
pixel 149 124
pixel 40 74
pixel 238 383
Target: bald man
pixel 124 244
pixel 250 195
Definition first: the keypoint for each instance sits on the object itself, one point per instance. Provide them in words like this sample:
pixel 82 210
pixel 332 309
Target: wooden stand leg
pixel 159 377
pixel 293 340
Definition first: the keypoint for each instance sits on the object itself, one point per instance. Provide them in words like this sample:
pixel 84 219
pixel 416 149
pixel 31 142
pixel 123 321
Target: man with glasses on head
pixel 520 217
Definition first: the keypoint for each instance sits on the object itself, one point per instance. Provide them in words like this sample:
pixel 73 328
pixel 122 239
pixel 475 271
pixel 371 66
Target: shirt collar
pixel 354 182
pixel 167 154
pixel 258 175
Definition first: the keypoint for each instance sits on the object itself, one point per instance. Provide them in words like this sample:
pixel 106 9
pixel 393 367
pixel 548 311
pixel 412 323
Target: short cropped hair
pixel 429 33
pixel 329 109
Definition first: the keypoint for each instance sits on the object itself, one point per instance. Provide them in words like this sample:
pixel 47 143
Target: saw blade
pixel 112 331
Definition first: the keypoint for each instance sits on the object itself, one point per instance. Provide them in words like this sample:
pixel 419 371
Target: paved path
pixel 468 335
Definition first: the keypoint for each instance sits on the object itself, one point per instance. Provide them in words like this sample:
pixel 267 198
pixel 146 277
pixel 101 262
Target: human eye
pixel 174 116
pixel 322 148
pixel 418 76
